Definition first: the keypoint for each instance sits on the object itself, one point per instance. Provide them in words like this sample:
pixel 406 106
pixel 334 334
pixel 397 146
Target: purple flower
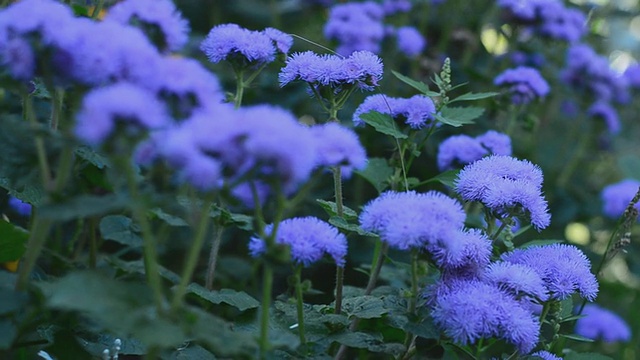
pixel 120 104
pixel 525 84
pixel 632 74
pixel 600 323
pixel 603 110
pixel 391 7
pixel 339 146
pixel 378 102
pixel 20 207
pixel 473 310
pixel 507 186
pixel 233 43
pixel 545 355
pixel 463 249
pixel 412 220
pixel 520 10
pixel 159 19
pixel 417 111
pixel 495 142
pixel 616 197
pixel 282 41
pixel 410 41
pixel 309 239
pixel 356 26
pixel 518 280
pixel 459 149
pixel 561 23
pixel 563 268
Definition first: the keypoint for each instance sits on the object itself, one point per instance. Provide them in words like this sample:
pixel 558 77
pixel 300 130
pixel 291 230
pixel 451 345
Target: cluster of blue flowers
pixel 360 26
pixel 616 197
pixel 524 84
pixel 464 149
pixel 417 111
pixel 599 323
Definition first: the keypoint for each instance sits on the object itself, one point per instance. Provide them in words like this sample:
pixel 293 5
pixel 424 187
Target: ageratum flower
pixel 236 44
pixel 616 197
pixel 525 84
pixel 391 7
pixel 518 280
pixel 409 41
pixel 309 239
pixel 632 74
pixel 545 355
pixel 362 69
pixel 473 310
pixel 125 104
pixel 495 142
pixel 158 19
pixel 507 186
pixel 603 110
pixel 356 27
pixel 339 146
pixel 559 22
pixel 282 41
pixel 20 207
pixel 416 111
pixel 563 268
pixel 459 150
pixel 467 250
pixel 602 324
pixel 412 220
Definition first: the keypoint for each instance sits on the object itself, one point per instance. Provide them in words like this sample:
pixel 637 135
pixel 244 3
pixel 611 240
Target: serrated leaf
pixel 92 156
pixel 458 116
pixel 474 96
pixel 539 243
pixel 576 337
pixel 418 85
pixel 238 299
pixel 364 307
pixel 120 229
pixel 377 173
pixel 331 209
pixel 13 240
pixel 383 123
pixel 344 225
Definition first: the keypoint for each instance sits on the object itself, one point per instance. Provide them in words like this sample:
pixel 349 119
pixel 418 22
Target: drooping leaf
pixel 120 229
pixel 377 173
pixel 238 299
pixel 331 209
pixel 383 123
pixel 458 116
pixel 418 85
pixel 474 96
pixel 364 307
pixel 13 240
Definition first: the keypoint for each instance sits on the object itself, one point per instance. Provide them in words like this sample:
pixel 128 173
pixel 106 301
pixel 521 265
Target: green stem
pixel 237 100
pixel 37 237
pixel 30 115
pixel 213 257
pixel 93 244
pixel 194 253
pixel 267 284
pixel 401 151
pixel 300 303
pixel 339 287
pixel 375 271
pixel 152 269
pixel 57 101
pixel 414 281
pixel 97 9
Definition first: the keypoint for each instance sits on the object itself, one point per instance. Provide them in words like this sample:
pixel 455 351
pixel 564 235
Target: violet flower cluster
pixel 417 111
pixel 243 47
pixel 20 207
pixel 308 238
pixel 506 186
pixel 360 26
pixel 549 18
pixel 524 84
pixel 599 323
pixel 616 197
pixel 463 149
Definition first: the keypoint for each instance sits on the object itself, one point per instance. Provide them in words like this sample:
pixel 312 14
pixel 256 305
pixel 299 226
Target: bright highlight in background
pixel 493 41
pixel 577 233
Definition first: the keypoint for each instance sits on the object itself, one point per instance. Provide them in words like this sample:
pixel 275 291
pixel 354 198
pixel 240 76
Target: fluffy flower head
pixel 339 146
pixel 616 197
pixel 600 323
pixel 525 84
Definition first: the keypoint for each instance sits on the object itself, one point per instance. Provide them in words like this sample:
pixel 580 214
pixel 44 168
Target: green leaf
pixel 9 333
pixel 585 356
pixel 219 336
pixel 361 340
pixel 572 318
pixel 83 206
pixel 446 178
pixel 12 241
pixel 383 123
pixel 539 243
pixel 418 85
pixel 377 173
pixel 344 225
pixel 331 209
pixel 424 328
pixel 576 337
pixel 566 308
pixel 458 116
pixel 120 229
pixel 238 299
pixel 11 301
pixel 191 352
pixel 171 220
pixel 474 96
pixel 364 307
pixel 91 156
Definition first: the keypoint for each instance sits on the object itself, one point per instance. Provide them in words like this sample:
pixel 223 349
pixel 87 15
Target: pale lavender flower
pixel 18 57
pixel 378 102
pixel 495 142
pixel 518 280
pixel 616 197
pixel 159 19
pixel 410 41
pixel 518 198
pixel 282 41
pixel 468 249
pixel 603 110
pixel 309 240
pixel 339 146
pixel 473 310
pixel 545 355
pixel 561 23
pixel 412 220
pixel 563 268
pixel 459 150
pixel 356 26
pixel 524 84
pixel 391 7
pixel 521 10
pixel 104 108
pixel 234 43
pixel 19 206
pixel 602 324
pixel 416 111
